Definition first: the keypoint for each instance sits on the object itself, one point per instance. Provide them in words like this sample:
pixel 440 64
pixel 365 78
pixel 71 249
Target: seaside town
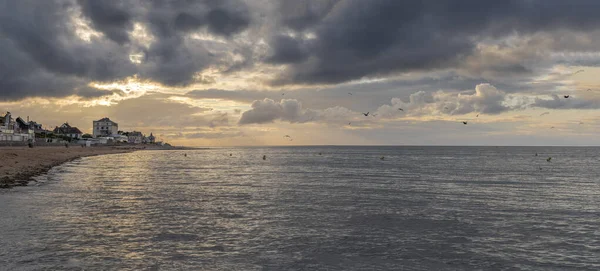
pixel 19 131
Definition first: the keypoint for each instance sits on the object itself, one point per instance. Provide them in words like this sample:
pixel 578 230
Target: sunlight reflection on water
pixel 421 208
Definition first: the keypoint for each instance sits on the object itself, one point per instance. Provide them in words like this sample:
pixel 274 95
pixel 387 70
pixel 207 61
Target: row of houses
pixel 103 131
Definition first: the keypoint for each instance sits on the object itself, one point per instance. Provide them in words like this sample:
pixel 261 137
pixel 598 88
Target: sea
pixel 310 208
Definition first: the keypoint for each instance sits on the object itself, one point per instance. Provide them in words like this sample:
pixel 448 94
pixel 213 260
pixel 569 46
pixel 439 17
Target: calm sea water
pixel 421 208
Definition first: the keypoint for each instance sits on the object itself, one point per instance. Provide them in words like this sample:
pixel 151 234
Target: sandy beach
pixel 19 164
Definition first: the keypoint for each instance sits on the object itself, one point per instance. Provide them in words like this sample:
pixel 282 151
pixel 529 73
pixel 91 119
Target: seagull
pixel 382 158
pixel 264 157
pixel 477 116
pixel 566 96
pixel 589 89
pixel 549 158
pixel 464 122
pixel 286 136
pixel 366 114
pixel 400 109
pixel 374 115
pixel 349 93
pixel 545 113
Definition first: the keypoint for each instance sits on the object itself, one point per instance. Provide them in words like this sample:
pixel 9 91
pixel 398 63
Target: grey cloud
pixel 291 110
pixel 559 102
pixel 287 49
pixel 212 135
pixel 300 15
pixel 109 17
pixel 372 38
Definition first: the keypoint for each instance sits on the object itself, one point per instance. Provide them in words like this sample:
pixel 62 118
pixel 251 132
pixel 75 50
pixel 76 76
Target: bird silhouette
pixel 477 116
pixel 400 109
pixel 536 154
pixel 349 123
pixel 349 93
pixel 545 113
pixel 286 136
pixel 185 154
pixel 464 122
pixel 264 157
pixel 366 114
pixel 566 96
pixel 382 158
pixel 549 158
pixel 552 127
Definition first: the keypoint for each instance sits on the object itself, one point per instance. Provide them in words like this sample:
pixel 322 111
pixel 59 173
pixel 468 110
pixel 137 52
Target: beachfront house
pixel 104 127
pixel 69 131
pixel 135 137
pixel 151 139
pixel 11 130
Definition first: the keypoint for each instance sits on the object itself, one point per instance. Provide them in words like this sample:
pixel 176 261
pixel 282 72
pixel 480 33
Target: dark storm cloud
pixel 365 38
pixel 318 41
pixel 43 56
pixel 287 50
pixel 300 15
pixel 109 17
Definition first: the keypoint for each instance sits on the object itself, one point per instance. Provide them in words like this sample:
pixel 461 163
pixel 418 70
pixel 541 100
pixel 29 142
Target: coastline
pixel 18 165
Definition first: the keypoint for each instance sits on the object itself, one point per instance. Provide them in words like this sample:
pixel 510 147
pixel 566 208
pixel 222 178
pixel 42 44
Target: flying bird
pixel 286 136
pixel 366 114
pixel 382 158
pixel 464 122
pixel 477 116
pixel 552 127
pixel 549 158
pixel 545 113
pixel 577 72
pixel 566 96
pixel 400 109
pixel 374 115
pixel 349 93
pixel 349 123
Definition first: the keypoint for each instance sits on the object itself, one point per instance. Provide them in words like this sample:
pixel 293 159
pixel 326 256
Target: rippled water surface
pixel 420 208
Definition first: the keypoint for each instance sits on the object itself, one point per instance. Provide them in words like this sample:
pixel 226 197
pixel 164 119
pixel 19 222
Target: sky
pixel 250 72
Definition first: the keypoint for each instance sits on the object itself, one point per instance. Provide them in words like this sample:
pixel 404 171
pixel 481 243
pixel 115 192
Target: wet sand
pixel 19 164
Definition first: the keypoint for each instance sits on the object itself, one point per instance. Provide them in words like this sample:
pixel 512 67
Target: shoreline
pixel 19 165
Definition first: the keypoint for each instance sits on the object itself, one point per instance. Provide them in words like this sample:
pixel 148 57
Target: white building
pixel 105 127
pixel 10 131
